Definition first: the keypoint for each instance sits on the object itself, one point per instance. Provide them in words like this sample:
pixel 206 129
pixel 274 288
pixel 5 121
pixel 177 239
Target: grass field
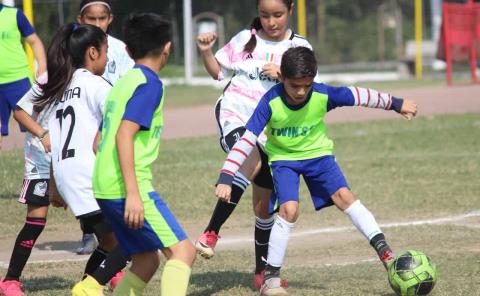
pixel 402 171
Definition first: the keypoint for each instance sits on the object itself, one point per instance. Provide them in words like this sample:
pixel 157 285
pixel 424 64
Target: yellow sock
pixel 175 277
pixel 88 286
pixel 130 285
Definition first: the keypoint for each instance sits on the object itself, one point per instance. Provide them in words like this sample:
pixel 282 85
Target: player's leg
pixel 286 183
pixel 106 260
pixel 35 194
pixel 205 244
pixel 331 182
pixel 177 270
pixel 4 110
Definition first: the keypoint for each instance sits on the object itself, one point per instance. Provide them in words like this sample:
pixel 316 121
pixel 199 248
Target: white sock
pixel 277 245
pixel 363 219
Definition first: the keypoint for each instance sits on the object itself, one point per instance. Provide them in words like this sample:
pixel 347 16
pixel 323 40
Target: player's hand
pixel 409 109
pixel 57 201
pixel 271 70
pixel 205 41
pixel 223 192
pixel 134 211
pixel 46 143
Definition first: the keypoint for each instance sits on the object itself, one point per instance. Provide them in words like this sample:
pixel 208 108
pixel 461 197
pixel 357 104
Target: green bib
pixel 13 61
pixel 298 134
pixel 107 176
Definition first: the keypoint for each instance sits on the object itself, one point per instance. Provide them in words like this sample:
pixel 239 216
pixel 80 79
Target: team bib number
pixel 61 115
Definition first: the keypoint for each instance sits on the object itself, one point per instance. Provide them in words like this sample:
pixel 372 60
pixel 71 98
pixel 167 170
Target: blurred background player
pixel 254 57
pixel 14 71
pixel 99 13
pixel 292 115
pixel 122 180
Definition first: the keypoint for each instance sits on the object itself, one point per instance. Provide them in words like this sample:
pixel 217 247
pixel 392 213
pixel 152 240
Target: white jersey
pixel 37 160
pixel 119 62
pixel 73 125
pixel 248 83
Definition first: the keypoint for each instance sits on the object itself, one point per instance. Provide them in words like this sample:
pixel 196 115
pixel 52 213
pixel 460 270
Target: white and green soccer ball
pixel 412 273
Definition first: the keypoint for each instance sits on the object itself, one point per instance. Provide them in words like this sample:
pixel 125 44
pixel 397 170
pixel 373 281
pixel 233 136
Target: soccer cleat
pixel 116 279
pixel 387 258
pixel 11 288
pixel 87 287
pixel 88 244
pixel 273 287
pixel 258 280
pixel 206 243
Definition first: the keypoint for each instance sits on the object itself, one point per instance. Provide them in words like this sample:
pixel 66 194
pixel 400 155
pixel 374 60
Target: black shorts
pixel 264 176
pixel 96 223
pixel 34 192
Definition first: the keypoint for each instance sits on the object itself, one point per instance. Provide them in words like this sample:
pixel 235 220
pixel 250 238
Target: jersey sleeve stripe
pixel 240 151
pixel 233 161
pixel 228 172
pixel 250 143
pixel 358 95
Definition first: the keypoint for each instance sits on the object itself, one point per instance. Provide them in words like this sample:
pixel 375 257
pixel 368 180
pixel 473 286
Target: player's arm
pixel 33 127
pixel 28 32
pixel 134 211
pixel 96 141
pixel 366 97
pixel 242 149
pixel 39 53
pixel 205 42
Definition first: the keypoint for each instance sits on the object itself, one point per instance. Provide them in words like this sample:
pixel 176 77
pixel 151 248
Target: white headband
pixel 95 3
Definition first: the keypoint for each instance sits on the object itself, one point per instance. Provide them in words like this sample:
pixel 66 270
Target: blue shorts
pixel 160 230
pixel 10 94
pixel 322 176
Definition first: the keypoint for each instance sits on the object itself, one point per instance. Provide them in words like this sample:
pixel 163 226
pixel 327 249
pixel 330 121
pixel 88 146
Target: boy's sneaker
pixel 116 279
pixel 89 244
pixel 258 280
pixel 387 258
pixel 87 287
pixel 11 288
pixel 206 243
pixel 273 287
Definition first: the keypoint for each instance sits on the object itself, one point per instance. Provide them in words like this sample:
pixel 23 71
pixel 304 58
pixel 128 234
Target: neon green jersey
pixel 292 133
pixel 13 61
pixel 141 86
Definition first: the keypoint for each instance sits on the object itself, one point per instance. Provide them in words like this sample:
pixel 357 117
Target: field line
pixel 244 239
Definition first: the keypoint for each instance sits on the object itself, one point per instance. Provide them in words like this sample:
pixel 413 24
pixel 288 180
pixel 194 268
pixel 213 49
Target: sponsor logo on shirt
pixel 258 74
pixel 112 66
pixel 292 131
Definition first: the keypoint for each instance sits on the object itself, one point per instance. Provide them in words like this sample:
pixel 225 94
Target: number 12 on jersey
pixel 61 115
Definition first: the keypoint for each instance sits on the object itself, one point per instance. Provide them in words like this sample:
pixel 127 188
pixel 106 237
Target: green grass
pixel 402 171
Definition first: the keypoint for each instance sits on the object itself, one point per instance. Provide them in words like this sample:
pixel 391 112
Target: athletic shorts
pixel 160 230
pixel 95 222
pixel 10 94
pixel 322 176
pixel 34 192
pixel 264 176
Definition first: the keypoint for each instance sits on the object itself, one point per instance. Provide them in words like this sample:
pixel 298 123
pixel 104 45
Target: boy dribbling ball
pixel 292 115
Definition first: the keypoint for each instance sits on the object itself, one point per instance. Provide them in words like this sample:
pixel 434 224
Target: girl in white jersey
pixel 254 58
pixel 99 13
pixel 76 92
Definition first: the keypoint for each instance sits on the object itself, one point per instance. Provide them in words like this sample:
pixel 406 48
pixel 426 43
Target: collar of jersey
pixel 294 107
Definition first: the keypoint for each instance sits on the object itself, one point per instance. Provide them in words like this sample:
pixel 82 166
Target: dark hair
pixel 257 25
pixel 146 34
pixel 85 3
pixel 298 62
pixel 65 54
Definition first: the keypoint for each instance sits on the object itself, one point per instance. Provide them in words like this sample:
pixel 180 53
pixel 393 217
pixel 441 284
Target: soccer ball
pixel 412 273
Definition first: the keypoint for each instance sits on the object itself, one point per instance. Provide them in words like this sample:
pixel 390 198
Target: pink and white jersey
pixel 248 84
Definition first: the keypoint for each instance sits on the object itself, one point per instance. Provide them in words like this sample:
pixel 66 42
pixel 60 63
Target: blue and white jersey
pixel 119 62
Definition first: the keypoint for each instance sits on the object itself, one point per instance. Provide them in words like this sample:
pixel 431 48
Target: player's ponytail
pixel 65 54
pixel 255 26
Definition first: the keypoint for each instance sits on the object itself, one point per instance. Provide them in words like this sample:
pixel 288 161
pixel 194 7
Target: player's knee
pixel 184 251
pixel 343 198
pixel 289 211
